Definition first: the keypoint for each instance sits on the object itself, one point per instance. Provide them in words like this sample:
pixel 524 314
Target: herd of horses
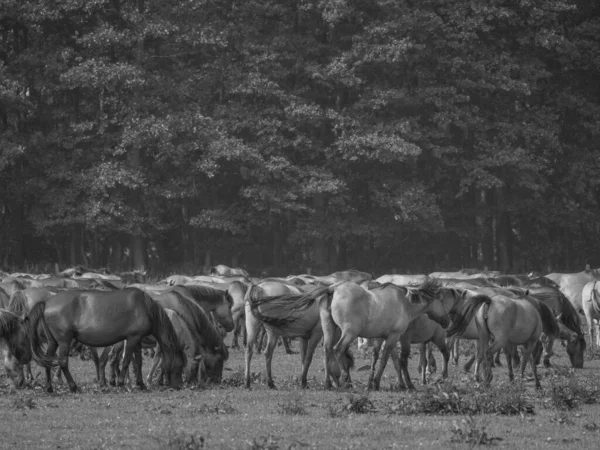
pixel 184 321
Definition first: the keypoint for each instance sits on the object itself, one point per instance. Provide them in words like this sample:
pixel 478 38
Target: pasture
pixel 455 414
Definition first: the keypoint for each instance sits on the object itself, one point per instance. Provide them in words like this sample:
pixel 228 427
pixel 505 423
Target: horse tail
pixel 35 318
pixel 549 322
pixel 18 302
pixel 463 318
pixel 283 309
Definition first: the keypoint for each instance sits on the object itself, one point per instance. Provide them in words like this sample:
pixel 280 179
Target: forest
pixel 281 136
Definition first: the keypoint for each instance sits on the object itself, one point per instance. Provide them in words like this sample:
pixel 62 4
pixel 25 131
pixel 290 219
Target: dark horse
pixel 100 319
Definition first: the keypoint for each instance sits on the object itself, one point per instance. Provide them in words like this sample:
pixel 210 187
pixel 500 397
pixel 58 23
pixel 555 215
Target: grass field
pixel 456 414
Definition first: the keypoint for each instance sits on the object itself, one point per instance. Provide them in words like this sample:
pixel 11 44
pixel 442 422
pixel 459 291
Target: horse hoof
pixel 49 390
pixel 292 352
pixel 271 385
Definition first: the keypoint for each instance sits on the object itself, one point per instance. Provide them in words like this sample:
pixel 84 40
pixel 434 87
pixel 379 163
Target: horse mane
pixel 463 318
pixel 161 321
pixel 569 316
pixel 548 320
pixel 9 323
pixel 425 291
pixel 283 308
pixel 200 293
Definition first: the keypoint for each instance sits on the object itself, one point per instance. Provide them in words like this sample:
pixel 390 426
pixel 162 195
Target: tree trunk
pixel 138 252
pixel 319 243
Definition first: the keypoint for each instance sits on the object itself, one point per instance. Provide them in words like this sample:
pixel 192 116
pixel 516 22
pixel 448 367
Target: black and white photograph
pixel 299 224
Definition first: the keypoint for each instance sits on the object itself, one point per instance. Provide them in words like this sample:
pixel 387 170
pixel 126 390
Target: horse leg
pixel 260 343
pixel 64 348
pixel 155 361
pixel 398 366
pixel 50 352
pixel 469 363
pixel 390 345
pixel 287 345
pixel 508 352
pixel 137 365
pixel 339 349
pixel 131 345
pixel 269 349
pixel 422 363
pixel 102 360
pixel 377 343
pixel 311 344
pixel 455 351
pixel 329 329
pixel 404 355
pixel 253 327
pixel 113 357
pixel 528 356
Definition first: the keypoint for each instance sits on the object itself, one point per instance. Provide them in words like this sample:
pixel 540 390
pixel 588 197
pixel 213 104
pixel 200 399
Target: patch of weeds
pixel 21 403
pixel 570 394
pixel 562 418
pixel 293 406
pixel 222 406
pixel 591 426
pixel 184 441
pixel 353 404
pixel 447 399
pixel 263 443
pixel 236 379
pixel 472 433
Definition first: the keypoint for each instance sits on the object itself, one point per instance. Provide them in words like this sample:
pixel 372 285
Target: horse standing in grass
pixel 384 312
pixel 507 322
pixel 100 319
pixel 292 314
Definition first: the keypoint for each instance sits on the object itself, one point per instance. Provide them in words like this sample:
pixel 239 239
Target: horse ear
pixel 25 320
pixel 559 317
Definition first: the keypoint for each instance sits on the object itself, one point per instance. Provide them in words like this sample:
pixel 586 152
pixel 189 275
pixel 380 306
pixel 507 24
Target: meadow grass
pixel 452 414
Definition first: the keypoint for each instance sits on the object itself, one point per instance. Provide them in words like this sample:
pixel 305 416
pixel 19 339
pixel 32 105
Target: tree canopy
pixel 285 135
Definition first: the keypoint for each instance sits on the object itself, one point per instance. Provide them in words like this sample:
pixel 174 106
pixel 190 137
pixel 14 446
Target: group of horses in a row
pixel 184 320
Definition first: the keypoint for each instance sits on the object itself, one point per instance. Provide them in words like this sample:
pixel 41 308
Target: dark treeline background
pixel 286 134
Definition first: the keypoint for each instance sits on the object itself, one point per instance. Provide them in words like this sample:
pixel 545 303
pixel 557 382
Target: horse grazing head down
pixel 14 346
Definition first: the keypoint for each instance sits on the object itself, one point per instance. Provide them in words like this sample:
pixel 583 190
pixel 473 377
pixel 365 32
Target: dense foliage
pixel 283 135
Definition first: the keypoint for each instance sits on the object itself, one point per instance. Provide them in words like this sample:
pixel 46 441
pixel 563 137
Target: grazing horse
pixel 384 312
pixel 22 301
pixel 199 323
pixel 189 345
pixel 287 315
pixel 14 346
pixel 507 322
pixel 569 320
pixel 100 319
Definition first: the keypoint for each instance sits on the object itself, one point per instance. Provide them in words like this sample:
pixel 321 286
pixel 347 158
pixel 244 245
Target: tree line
pixel 292 134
